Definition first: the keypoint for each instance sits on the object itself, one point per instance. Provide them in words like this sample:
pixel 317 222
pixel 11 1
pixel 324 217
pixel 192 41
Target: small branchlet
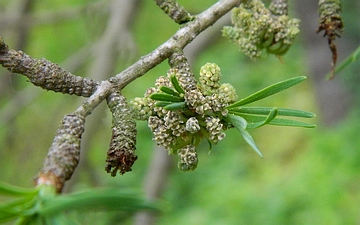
pixel 174 11
pixel 64 153
pixel 331 23
pixel 256 28
pixel 121 154
pixel 44 73
pixel 180 68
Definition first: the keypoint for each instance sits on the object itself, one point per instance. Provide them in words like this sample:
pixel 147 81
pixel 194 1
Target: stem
pixel 179 40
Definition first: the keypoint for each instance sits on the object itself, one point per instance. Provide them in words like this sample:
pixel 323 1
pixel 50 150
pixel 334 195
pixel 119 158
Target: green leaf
pixel 291 123
pixel 272 114
pixel 236 121
pixel 171 105
pixel 274 48
pixel 162 104
pixel 175 106
pixel 102 199
pixel 266 111
pixel 31 220
pixel 13 209
pixel 240 124
pixel 268 41
pixel 253 121
pixel 169 91
pixel 268 91
pixel 18 207
pixel 6 215
pixel 18 203
pixel 350 59
pixel 210 145
pixel 247 137
pixel 59 220
pixel 165 97
pixel 8 189
pixel 176 84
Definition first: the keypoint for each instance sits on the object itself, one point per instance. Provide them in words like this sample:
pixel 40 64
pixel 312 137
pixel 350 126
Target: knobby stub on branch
pixel 175 11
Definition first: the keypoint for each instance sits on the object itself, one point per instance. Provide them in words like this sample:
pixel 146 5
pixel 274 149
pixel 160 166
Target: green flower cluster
pixel 181 112
pixel 256 28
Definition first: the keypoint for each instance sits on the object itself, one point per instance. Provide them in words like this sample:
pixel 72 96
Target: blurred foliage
pixel 306 176
pixel 315 180
pixel 40 205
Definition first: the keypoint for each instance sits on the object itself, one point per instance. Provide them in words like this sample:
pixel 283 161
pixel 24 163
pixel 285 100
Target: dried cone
pixel 331 23
pixel 64 153
pixel 121 154
pixel 44 73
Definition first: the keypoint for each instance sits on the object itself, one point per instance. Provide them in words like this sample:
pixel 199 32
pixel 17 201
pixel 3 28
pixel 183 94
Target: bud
pixel 214 127
pixel 188 159
pixel 210 75
pixel 192 125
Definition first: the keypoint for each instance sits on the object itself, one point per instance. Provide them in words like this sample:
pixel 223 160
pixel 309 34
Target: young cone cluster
pixel 181 112
pixel 256 28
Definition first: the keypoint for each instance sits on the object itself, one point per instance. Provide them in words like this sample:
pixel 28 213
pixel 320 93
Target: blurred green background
pixel 307 176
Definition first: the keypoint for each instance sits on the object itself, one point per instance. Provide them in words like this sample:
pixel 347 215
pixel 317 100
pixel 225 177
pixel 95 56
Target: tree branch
pixel 178 41
pixel 39 71
pixel 51 77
